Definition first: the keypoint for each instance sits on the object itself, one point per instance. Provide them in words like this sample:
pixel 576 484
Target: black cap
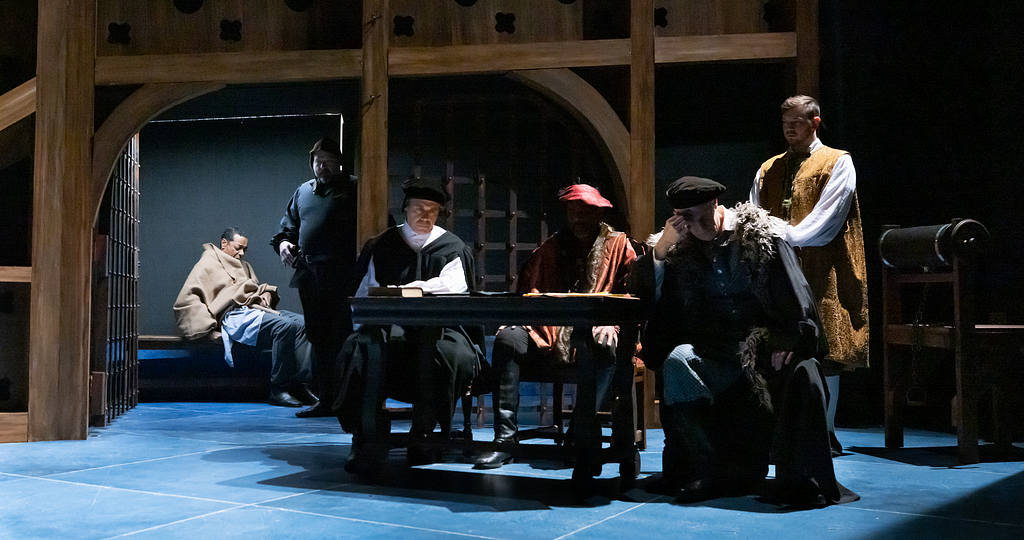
pixel 326 144
pixel 692 190
pixel 423 188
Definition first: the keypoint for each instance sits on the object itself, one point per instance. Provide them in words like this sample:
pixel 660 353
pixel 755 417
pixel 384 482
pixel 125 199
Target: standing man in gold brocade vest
pixel 813 188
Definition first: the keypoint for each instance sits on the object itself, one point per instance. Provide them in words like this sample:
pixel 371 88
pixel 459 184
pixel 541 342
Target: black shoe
pixel 364 468
pixel 659 485
pixel 284 399
pixel 304 395
pixel 423 454
pixel 316 411
pixel 837 447
pixel 696 491
pixel 796 492
pixel 362 461
pixel 493 460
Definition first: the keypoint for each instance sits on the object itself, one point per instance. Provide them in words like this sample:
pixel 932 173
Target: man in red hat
pixel 587 256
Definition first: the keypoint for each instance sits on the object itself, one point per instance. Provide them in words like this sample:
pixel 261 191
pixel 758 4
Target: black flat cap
pixel 423 188
pixel 692 190
pixel 325 144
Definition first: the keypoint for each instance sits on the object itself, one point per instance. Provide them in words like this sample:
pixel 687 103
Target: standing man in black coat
pixel 318 239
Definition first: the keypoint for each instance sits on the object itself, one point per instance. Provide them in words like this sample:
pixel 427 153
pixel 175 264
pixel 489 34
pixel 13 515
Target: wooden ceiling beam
pixel 725 48
pixel 240 68
pixel 233 68
pixel 15 274
pixel 500 58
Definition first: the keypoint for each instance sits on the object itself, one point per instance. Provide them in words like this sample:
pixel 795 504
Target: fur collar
pixel 594 260
pixel 750 224
pixel 755 232
pixel 596 256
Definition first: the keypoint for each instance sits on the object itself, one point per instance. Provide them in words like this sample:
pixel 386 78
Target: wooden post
pixel 640 188
pixel 965 416
pixel 373 176
pixel 893 368
pixel 62 221
pixel 807 55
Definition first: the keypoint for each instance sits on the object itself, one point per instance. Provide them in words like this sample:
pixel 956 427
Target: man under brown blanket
pixel 222 299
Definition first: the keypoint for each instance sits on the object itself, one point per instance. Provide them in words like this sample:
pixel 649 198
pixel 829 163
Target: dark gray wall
pixel 196 179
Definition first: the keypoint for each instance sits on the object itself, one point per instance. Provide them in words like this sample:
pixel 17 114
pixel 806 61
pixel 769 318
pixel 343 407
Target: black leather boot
pixel 676 468
pixel 691 422
pixel 688 461
pixel 324 383
pixel 424 447
pixel 506 409
pixel 369 449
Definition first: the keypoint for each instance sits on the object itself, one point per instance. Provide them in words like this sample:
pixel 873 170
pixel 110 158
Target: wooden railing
pixel 17 104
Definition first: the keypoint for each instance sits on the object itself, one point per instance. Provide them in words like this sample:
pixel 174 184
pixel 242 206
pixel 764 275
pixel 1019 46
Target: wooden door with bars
pixel 114 363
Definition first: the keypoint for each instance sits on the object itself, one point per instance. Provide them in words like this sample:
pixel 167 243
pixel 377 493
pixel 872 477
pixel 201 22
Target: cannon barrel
pixel 933 245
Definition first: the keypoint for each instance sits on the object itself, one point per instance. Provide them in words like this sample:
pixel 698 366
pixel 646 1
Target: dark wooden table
pixel 447 310
pixel 579 311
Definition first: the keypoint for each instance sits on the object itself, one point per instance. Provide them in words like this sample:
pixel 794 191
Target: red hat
pixel 582 192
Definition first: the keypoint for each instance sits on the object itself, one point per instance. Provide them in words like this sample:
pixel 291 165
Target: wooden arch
pixel 127 119
pixel 581 100
pixel 566 89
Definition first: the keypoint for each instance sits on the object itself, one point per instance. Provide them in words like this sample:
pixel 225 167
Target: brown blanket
pixel 216 284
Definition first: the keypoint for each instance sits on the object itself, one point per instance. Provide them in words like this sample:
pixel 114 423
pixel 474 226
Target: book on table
pixel 407 292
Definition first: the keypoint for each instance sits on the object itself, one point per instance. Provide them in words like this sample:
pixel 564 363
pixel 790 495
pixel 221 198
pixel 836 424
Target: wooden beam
pixel 62 219
pixel 288 66
pixel 581 100
pixel 641 118
pixel 15 274
pixel 463 59
pixel 725 48
pixel 127 119
pixel 251 67
pixel 17 104
pixel 373 175
pixel 807 47
pixel 13 427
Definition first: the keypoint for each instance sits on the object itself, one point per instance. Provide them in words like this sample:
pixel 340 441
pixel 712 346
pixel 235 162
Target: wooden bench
pixel 172 368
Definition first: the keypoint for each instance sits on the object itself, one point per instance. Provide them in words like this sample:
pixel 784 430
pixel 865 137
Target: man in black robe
pixel 733 333
pixel 429 367
pixel 318 239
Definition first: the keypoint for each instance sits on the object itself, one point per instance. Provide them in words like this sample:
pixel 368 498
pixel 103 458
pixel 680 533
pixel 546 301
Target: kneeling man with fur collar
pixel 733 333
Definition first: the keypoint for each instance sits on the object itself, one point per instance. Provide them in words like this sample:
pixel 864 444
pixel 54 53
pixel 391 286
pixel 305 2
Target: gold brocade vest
pixel 836 272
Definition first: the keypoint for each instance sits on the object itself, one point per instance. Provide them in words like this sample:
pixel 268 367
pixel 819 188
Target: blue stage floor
pixel 237 470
